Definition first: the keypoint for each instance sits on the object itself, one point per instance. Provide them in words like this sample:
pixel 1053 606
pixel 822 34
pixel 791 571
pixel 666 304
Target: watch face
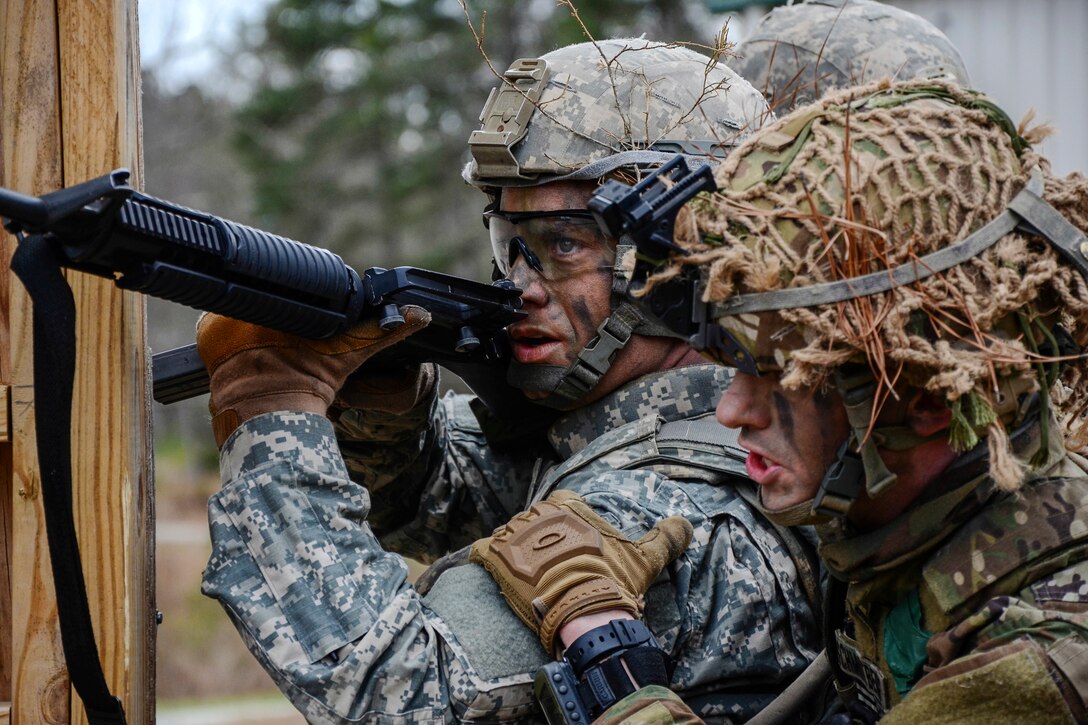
pixel 557 693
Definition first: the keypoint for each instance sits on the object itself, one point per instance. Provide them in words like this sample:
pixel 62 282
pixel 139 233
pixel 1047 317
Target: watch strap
pixel 607 639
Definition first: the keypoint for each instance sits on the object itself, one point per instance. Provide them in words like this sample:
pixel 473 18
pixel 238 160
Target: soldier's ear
pixel 927 413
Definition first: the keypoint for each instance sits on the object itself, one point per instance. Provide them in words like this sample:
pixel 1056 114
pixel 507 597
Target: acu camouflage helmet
pixel 796 54
pixel 586 110
pixel 909 231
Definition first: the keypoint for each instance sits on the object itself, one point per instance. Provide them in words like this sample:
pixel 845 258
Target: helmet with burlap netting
pixel 798 53
pixel 900 234
pixel 600 109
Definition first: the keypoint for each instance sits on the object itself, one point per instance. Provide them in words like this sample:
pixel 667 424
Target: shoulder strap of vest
pixel 704 430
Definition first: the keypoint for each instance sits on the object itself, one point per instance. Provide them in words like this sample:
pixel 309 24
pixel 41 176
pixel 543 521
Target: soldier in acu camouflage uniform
pixel 308 519
pixel 902 287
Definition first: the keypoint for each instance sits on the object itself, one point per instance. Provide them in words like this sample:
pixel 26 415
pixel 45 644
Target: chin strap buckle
pixel 597 356
pixel 842 483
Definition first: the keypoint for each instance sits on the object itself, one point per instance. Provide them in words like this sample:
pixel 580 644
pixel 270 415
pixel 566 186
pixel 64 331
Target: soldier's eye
pixel 567 246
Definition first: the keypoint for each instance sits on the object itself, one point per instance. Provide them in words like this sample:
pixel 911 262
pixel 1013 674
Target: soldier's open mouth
pixel 534 349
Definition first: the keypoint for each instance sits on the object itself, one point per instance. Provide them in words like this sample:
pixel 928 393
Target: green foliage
pixel 357 129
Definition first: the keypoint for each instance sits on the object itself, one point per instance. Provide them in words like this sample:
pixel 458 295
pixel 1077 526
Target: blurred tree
pixel 189 160
pixel 357 126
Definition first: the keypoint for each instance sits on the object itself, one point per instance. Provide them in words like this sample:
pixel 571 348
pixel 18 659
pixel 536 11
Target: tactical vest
pixel 692 449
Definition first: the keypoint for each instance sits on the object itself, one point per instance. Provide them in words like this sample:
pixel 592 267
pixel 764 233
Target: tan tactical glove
pixel 257 370
pixel 559 561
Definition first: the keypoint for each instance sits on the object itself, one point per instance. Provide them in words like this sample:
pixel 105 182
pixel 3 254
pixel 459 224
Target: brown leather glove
pixel 257 370
pixel 559 561
pixel 387 391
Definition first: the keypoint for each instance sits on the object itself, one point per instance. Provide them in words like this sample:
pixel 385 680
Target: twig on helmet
pixel 860 318
pixel 721 48
pixel 605 61
pixel 947 321
pixel 735 206
pixel 968 321
pixel 569 4
pixel 478 36
pixel 820 54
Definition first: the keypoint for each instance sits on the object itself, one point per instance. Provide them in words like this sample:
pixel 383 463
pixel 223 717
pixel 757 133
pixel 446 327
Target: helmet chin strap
pixel 569 385
pixel 858 466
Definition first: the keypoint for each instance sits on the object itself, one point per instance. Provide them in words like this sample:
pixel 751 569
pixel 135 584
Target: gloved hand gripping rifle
pixel 107 228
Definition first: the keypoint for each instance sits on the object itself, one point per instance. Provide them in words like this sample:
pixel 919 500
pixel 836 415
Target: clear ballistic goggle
pixel 556 244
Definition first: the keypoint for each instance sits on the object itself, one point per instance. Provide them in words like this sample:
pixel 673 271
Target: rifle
pixel 106 228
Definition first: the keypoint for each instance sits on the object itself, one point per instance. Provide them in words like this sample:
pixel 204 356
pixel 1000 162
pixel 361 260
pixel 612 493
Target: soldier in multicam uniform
pixel 306 524
pixel 902 287
pixel 798 53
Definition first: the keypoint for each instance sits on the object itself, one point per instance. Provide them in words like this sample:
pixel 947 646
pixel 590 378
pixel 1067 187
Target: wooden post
pixel 69 75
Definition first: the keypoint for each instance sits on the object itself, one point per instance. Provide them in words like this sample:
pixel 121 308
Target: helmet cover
pixel 797 53
pixel 585 110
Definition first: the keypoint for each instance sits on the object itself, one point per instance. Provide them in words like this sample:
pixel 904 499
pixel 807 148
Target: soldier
pixel 797 53
pixel 298 529
pixel 902 287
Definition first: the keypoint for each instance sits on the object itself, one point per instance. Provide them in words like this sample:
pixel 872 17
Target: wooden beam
pixel 70 76
pixel 30 137
pixel 100 131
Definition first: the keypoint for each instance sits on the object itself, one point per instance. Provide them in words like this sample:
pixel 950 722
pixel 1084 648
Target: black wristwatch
pixel 600 668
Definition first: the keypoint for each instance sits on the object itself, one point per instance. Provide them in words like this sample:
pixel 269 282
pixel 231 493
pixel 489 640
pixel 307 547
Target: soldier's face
pixel 567 294
pixel 791 436
pixel 564 308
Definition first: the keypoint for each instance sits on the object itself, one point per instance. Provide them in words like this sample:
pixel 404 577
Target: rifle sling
pixel 37 264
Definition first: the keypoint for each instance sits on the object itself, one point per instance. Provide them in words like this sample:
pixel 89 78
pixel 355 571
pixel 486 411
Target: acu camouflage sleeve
pixel 392 456
pixel 435 484
pixel 325 610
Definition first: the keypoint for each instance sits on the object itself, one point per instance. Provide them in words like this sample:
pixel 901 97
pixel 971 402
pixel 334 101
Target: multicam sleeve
pixel 326 611
pixel 1018 659
pixel 652 705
